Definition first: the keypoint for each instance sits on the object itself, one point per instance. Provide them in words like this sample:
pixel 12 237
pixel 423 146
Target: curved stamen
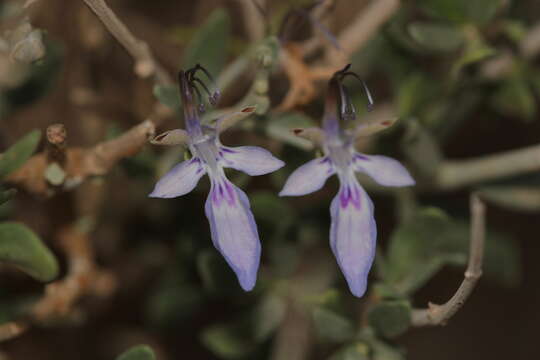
pixel 364 85
pixel 216 94
pixel 194 84
pixel 211 98
pixel 342 74
pixel 348 111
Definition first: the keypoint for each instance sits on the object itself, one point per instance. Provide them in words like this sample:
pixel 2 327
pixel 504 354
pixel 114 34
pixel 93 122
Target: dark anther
pixel 342 74
pixel 196 84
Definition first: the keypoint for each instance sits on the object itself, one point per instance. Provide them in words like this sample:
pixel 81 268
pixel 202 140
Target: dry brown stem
pixel 314 275
pixel 83 277
pixel 56 143
pixel 81 163
pixel 145 63
pixel 357 34
pixel 440 314
pixel 302 78
pixel 11 330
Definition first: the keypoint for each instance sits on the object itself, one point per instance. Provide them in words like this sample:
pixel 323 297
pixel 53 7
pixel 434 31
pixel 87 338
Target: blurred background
pixel 90 266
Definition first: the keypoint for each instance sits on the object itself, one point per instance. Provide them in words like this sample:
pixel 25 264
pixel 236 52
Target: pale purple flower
pixel 353 231
pixel 233 229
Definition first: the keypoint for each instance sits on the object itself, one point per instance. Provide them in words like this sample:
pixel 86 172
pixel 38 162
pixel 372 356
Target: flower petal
pixel 353 234
pixel 384 170
pixel 308 178
pixel 252 160
pixel 234 232
pixel 180 180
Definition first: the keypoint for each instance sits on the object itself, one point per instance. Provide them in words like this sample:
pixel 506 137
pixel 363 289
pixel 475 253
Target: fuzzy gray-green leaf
pixel 139 352
pixel 436 36
pixel 22 248
pixel 17 154
pixel 210 44
pixel 390 318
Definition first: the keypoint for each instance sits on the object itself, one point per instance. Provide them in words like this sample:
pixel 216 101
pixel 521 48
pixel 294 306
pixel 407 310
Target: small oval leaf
pixel 210 44
pixel 21 247
pixel 139 352
pixel 436 37
pixel 390 318
pixel 17 154
pixel 168 96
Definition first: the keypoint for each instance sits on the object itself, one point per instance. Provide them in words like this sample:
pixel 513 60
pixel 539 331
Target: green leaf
pixel 414 91
pixel 269 314
pixel 473 54
pixel 173 303
pixel 227 341
pixel 476 11
pixel 421 149
pixel 384 351
pixel 19 246
pixel 139 352
pixel 6 195
pixel 332 326
pixel 421 247
pixel 358 351
pixel 515 98
pixel 390 318
pixel 17 154
pixel 216 276
pixel 168 96
pixel 266 207
pixel 436 36
pixel 280 128
pixel 210 44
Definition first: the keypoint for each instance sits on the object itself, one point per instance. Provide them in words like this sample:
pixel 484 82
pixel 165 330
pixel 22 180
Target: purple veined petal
pixel 353 234
pixel 180 180
pixel 384 170
pixel 233 229
pixel 252 160
pixel 308 178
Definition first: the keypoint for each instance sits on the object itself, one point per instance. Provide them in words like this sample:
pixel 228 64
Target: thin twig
pixel 83 278
pixel 145 63
pixel 357 34
pixel 314 275
pixel 294 337
pixel 11 330
pixel 455 174
pixel 440 314
pixel 82 163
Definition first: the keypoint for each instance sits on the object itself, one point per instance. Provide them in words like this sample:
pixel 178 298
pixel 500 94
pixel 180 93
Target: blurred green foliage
pixel 429 63
pixel 139 352
pixel 20 247
pixel 17 154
